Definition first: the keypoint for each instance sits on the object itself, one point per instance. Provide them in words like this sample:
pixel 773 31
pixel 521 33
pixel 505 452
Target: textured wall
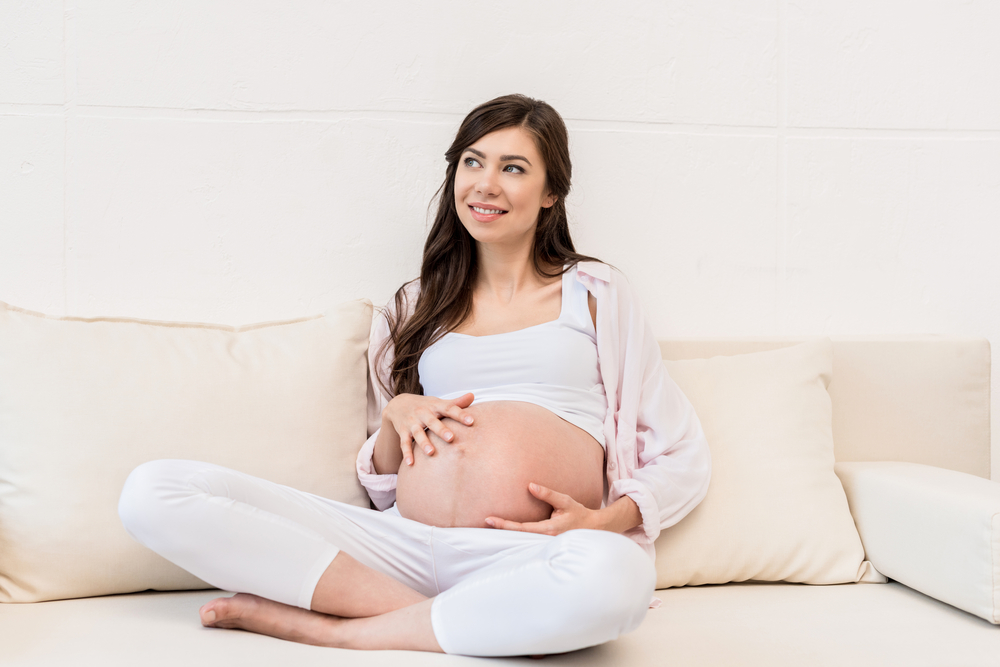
pixel 756 167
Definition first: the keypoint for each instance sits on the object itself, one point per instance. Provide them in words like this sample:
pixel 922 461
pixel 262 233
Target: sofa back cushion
pixel 775 509
pixel 923 399
pixel 84 401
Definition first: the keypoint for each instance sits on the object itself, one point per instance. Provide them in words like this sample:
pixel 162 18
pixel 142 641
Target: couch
pixel 907 419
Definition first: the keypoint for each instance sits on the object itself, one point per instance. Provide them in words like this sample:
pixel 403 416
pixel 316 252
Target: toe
pixel 209 613
pixel 219 611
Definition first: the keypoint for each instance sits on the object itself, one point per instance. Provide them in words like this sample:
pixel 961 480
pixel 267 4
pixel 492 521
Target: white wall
pixel 757 167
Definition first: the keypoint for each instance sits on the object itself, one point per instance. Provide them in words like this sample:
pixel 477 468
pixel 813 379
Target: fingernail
pixel 428 450
pixel 210 616
pixel 448 435
pixel 534 487
pixel 490 523
pixel 468 420
pixel 409 460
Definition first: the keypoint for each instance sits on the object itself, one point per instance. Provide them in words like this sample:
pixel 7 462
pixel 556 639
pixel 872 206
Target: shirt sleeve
pixel 670 459
pixel 381 488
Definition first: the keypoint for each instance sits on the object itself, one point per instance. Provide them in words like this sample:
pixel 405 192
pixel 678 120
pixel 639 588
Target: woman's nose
pixel 487 183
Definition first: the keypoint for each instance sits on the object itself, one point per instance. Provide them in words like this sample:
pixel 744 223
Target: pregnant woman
pixel 526 444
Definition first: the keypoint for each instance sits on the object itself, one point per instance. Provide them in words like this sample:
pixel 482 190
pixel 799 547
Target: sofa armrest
pixel 934 530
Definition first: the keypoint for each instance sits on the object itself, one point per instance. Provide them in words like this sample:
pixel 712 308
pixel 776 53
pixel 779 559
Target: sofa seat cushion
pixel 737 624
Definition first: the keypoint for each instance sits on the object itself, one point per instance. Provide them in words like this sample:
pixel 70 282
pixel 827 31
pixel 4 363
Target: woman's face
pixel 500 188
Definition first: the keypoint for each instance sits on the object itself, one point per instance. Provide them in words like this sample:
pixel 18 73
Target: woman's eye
pixel 471 162
pixel 517 170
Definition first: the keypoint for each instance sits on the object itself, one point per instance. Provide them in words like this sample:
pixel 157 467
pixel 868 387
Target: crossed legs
pixel 320 572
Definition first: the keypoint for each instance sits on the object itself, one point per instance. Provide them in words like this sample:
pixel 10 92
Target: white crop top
pixel 553 365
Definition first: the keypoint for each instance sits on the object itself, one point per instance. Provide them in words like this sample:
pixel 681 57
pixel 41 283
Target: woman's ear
pixel 549 200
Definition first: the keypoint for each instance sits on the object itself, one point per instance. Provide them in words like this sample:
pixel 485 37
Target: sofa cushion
pixel 84 401
pixel 935 530
pixel 894 398
pixel 775 509
pixel 744 625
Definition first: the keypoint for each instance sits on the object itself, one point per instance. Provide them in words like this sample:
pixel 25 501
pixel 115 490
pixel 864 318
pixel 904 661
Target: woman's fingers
pixel 454 409
pixel 406 444
pixel 428 422
pixel 459 415
pixel 420 436
pixel 554 498
pixel 547 527
pixel 465 400
pixel 415 417
pixel 502 524
pixel 435 424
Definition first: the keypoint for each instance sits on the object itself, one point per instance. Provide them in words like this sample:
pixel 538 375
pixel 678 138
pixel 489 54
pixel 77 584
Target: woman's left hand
pixel 567 514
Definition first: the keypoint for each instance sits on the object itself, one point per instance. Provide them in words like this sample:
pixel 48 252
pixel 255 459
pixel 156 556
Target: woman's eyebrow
pixel 503 158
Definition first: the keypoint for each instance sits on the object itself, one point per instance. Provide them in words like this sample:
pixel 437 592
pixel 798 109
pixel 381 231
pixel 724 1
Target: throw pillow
pixel 775 509
pixel 84 401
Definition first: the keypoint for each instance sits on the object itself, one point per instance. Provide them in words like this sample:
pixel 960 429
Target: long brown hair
pixel 450 262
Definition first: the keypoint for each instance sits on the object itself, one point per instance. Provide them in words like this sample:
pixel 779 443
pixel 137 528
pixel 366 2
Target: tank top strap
pixel 575 303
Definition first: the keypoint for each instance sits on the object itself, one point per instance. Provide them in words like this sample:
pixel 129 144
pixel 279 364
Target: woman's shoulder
pixel 611 289
pixel 592 270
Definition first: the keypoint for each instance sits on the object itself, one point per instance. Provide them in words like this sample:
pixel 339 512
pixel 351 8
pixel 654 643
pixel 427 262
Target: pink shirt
pixel 656 450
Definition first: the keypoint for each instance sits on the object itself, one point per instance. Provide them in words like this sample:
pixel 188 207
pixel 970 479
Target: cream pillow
pixel 775 509
pixel 83 402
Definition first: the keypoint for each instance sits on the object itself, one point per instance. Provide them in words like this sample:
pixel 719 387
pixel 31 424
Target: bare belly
pixel 486 470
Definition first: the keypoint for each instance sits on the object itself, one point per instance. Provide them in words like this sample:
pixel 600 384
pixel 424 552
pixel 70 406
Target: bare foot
pixel 256 614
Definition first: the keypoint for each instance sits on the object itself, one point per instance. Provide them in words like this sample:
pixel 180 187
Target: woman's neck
pixel 505 273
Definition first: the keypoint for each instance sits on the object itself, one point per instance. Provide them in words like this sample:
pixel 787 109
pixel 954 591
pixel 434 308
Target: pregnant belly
pixel 486 469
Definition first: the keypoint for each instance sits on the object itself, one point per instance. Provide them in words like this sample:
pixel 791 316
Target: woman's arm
pixel 377 470
pixel 620 516
pixel 387 456
pixel 661 459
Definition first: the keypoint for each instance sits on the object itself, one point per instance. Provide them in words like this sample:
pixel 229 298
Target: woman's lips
pixel 485 217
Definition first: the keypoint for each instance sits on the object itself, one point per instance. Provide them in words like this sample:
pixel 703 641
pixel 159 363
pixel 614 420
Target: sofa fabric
pixel 895 399
pixel 84 401
pixel 775 509
pixel 736 625
pixel 935 530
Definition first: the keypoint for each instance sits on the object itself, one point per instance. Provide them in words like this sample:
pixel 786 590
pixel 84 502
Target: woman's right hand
pixel 412 415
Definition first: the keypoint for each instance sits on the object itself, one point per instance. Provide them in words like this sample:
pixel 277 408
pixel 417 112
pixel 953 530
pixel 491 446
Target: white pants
pixel 495 592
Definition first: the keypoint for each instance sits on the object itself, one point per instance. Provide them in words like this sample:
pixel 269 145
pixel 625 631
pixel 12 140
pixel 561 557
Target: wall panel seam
pixel 781 175
pixel 580 124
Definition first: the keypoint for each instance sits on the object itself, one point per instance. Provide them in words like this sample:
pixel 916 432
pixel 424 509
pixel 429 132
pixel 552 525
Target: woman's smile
pixel 486 213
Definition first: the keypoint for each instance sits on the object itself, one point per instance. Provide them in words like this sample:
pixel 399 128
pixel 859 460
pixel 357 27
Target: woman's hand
pixel 412 415
pixel 567 514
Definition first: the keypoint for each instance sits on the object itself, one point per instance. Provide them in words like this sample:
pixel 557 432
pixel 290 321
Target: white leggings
pixel 497 592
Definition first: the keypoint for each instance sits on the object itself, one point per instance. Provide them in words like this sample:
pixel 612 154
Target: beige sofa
pixel 925 514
